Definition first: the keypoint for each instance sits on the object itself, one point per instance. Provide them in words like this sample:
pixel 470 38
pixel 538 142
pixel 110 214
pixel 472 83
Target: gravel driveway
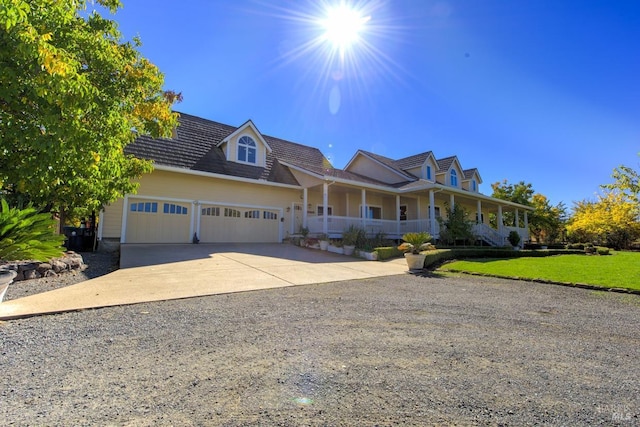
pixel 404 350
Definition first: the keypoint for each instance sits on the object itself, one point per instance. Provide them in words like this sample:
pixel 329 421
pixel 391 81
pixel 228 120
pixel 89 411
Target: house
pixel 221 183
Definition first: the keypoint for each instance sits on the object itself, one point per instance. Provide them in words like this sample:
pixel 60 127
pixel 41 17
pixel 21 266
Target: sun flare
pixel 343 26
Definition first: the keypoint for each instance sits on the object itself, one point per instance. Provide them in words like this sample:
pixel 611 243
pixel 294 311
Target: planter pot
pixel 348 249
pixel 324 244
pixel 6 278
pixel 335 249
pixel 369 256
pixel 415 261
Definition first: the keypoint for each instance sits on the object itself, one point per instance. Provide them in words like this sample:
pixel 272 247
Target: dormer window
pixel 474 185
pixel 428 172
pixel 453 178
pixel 247 150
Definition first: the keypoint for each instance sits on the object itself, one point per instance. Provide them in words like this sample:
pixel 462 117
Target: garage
pixel 232 224
pixel 156 221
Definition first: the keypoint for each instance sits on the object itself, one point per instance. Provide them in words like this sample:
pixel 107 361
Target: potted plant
pixel 336 247
pixel 413 244
pixel 324 241
pixel 514 239
pixel 304 231
pixel 350 238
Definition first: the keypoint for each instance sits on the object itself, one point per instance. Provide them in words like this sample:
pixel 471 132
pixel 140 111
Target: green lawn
pixel 619 270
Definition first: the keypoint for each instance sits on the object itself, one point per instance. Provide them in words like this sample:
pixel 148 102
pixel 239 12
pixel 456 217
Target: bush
pixel 387 252
pixel 28 234
pixel 603 251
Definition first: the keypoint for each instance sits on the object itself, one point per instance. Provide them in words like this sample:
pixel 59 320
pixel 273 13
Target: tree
pixel 546 222
pixel 457 226
pixel 612 220
pixel 627 182
pixel 73 95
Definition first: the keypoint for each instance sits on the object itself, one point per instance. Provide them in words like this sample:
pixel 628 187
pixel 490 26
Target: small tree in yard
pixel 457 226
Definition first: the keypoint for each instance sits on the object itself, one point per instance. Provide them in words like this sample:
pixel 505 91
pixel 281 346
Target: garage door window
pixel 170 208
pixel 211 211
pixel 232 213
pixel 252 214
pixel 149 207
pixel 270 215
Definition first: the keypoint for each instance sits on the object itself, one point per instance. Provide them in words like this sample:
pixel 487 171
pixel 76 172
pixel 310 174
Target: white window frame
pixel 329 210
pixel 367 207
pixel 248 150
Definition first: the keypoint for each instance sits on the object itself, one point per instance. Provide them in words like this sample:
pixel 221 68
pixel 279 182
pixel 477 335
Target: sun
pixel 343 26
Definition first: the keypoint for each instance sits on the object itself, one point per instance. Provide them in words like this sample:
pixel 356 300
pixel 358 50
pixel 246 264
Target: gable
pixel 246 145
pixel 366 166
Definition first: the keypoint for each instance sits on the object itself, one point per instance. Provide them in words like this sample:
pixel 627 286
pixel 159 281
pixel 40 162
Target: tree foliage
pixel 627 182
pixel 611 220
pixel 27 234
pixel 73 95
pixel 546 222
pixel 457 226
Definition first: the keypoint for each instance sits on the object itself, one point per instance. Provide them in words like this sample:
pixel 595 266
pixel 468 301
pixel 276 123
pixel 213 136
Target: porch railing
pixel 391 228
pixel 490 235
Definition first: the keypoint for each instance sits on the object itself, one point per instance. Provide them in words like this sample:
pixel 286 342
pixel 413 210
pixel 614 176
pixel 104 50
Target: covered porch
pixel 332 207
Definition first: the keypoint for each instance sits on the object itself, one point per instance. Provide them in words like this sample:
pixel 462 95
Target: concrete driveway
pixel 164 272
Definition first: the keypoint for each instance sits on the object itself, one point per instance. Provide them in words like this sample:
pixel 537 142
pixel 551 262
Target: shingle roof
pixel 195 148
pixel 445 164
pixel 468 173
pixel 413 161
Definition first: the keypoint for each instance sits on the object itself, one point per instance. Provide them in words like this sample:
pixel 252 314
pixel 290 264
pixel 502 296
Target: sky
pixel 546 91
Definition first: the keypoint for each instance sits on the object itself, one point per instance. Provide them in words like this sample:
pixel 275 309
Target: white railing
pixel 391 228
pixel 491 235
pixel 523 232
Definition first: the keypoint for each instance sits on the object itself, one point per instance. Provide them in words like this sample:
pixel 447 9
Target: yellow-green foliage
pixel 27 234
pixel 612 220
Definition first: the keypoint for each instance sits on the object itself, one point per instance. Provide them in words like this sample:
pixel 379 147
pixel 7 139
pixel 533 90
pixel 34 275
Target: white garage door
pixel 238 225
pixel 153 221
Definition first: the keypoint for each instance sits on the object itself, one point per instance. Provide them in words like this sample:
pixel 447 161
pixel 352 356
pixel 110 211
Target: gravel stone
pixel 403 350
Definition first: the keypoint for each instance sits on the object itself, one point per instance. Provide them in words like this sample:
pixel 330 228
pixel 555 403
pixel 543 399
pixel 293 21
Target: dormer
pixel 377 167
pixel 450 172
pixel 246 145
pixel 472 180
pixel 423 165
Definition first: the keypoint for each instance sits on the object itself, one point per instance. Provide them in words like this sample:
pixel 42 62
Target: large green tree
pixel 627 182
pixel 546 222
pixel 73 95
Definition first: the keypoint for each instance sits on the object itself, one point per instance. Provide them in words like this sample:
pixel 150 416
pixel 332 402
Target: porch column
pixel 452 201
pixel 398 215
pixel 347 205
pixel 432 212
pixel 526 224
pixel 325 202
pixel 479 219
pixel 304 207
pixel 517 225
pixel 500 224
pixel 419 216
pixel 363 210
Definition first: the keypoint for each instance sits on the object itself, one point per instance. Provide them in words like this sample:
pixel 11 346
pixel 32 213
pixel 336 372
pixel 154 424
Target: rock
pixel 43 268
pixel 27 266
pixel 58 266
pixel 31 274
pixel 50 273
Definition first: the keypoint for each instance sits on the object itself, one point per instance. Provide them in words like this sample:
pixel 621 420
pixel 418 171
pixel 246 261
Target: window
pixel 247 150
pixel 231 213
pixel 429 172
pixel 403 212
pixel 270 215
pixel 436 210
pixel 373 212
pixel 144 207
pixel 474 185
pixel 211 211
pixel 252 214
pixel 320 210
pixel 453 178
pixel 171 209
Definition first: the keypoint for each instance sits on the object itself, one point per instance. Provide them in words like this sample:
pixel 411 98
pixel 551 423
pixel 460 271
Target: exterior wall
pixel 204 189
pixel 231 149
pixel 367 167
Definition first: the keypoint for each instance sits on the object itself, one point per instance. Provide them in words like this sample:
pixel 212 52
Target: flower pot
pixel 6 278
pixel 324 244
pixel 415 261
pixel 335 249
pixel 348 249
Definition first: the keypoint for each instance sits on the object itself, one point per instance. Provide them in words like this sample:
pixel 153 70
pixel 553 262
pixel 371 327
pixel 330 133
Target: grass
pixel 619 270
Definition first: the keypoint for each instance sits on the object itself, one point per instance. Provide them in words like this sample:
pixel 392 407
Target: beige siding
pixel 367 167
pixel 172 185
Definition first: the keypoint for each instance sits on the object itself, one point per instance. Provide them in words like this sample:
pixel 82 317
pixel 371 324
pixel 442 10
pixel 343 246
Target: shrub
pixel 514 238
pixel 603 251
pixel 28 234
pixel 354 236
pixel 415 242
pixel 387 252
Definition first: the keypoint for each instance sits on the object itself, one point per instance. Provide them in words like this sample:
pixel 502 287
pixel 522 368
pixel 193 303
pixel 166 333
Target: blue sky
pixel 544 91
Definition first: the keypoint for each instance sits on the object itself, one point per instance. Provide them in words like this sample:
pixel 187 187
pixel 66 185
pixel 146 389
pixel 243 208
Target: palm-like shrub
pixel 28 234
pixel 415 242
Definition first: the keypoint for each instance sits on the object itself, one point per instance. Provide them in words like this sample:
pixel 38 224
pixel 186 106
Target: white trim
pixel 329 207
pixel 221 176
pixel 241 128
pixel 402 174
pixel 100 224
pixel 371 206
pixel 125 215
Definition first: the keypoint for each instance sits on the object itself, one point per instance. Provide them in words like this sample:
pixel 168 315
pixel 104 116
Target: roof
pixel 445 163
pixel 390 163
pixel 414 161
pixel 195 147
